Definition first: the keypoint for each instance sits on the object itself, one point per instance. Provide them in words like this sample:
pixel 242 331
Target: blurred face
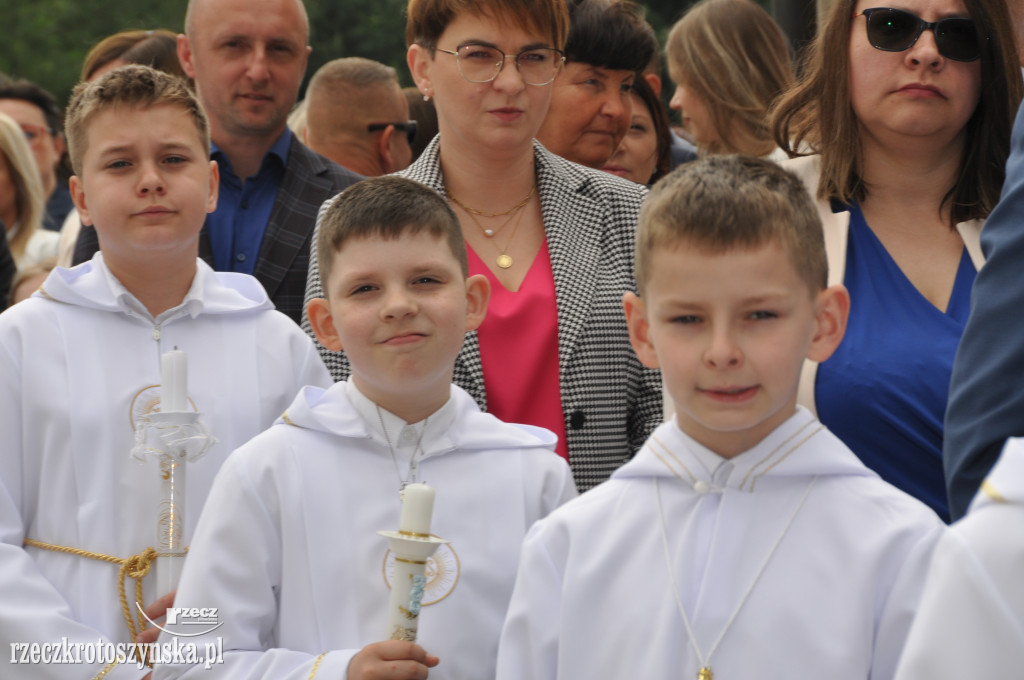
pixel 8 194
pixel 46 146
pixel 400 309
pixel 504 113
pixel 694 113
pixel 146 183
pixel 247 58
pixel 589 115
pixel 637 155
pixel 730 333
pixel 916 93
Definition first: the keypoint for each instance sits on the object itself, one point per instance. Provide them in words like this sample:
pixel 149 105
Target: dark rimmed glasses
pixel 895 30
pixel 409 127
pixel 482 63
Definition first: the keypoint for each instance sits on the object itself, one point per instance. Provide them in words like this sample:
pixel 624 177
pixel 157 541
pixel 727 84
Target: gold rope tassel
pixel 135 567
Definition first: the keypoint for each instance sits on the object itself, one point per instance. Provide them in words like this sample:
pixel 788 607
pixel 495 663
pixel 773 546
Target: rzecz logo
pixel 203 617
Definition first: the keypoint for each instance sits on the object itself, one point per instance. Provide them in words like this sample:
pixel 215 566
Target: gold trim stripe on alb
pixel 402 559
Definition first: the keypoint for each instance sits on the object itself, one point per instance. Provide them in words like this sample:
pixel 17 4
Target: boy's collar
pixel 191 304
pixel 403 435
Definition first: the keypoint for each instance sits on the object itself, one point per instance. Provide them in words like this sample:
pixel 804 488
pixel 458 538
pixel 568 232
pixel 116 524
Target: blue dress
pixel 884 390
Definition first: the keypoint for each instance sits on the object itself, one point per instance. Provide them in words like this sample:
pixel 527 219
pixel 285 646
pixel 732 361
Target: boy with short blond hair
pixel 80 368
pixel 744 540
pixel 287 548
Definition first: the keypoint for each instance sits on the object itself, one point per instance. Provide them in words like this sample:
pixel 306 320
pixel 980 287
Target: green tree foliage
pixel 46 40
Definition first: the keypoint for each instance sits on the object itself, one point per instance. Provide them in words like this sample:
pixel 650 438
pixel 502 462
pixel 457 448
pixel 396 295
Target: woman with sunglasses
pixel 909 112
pixel 555 239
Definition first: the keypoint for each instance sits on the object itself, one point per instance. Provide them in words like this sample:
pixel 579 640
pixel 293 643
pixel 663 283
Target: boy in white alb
pixel 744 540
pixel 287 548
pixel 971 620
pixel 80 365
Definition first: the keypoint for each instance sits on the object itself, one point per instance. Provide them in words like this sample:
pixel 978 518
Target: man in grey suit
pixel 247 58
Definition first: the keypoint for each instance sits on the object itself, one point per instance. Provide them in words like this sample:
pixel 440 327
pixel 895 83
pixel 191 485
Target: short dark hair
pixel 428 19
pixel 730 202
pixel 387 208
pixel 610 34
pixel 27 91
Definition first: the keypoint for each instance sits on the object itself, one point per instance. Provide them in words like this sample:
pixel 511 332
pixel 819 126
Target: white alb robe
pixel 79 363
pixel 288 551
pixel 971 620
pixel 593 598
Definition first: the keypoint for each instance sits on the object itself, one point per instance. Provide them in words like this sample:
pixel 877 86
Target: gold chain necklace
pixel 504 260
pixel 481 213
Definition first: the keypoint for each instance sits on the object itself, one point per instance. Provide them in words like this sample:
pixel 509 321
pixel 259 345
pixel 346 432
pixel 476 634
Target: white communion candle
pixel 174 381
pixel 417 509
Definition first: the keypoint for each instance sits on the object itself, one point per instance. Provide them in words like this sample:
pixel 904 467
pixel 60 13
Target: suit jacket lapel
pixel 292 216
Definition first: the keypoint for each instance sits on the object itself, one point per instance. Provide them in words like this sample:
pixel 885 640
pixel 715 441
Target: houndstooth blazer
pixel 610 401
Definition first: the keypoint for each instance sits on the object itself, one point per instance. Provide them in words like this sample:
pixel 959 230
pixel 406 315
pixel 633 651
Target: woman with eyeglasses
pixel 554 238
pixel 909 113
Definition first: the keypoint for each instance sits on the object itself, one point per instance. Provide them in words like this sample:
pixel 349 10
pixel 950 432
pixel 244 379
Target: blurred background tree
pixel 47 40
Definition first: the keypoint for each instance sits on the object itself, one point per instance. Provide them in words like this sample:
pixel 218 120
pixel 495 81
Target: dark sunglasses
pixel 895 30
pixel 409 126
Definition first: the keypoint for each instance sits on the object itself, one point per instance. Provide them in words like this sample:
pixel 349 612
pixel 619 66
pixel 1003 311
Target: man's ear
pixel 322 321
pixel 78 197
pixel 639 329
pixel 211 202
pixel 387 159
pixel 185 56
pixel 831 311
pixel 478 294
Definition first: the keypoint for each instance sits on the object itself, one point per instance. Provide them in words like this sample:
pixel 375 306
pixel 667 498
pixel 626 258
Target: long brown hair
pixel 732 55
pixel 817 115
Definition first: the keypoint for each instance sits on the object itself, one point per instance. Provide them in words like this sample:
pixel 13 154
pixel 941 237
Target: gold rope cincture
pixel 316 665
pixel 134 567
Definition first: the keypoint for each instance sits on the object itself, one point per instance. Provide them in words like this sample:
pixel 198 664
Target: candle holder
pixel 408 580
pixel 172 438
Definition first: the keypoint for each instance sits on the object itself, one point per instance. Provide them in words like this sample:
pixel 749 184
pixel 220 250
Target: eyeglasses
pixel 482 63
pixel 34 132
pixel 894 30
pixel 408 126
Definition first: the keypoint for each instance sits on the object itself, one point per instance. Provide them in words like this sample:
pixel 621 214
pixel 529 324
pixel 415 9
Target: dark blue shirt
pixel 884 390
pixel 243 208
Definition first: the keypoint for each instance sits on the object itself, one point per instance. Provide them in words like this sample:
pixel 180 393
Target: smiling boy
pixel 80 365
pixel 744 540
pixel 287 548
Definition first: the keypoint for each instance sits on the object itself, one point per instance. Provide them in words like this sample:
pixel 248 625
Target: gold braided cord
pixel 316 665
pixel 135 567
pixel 109 667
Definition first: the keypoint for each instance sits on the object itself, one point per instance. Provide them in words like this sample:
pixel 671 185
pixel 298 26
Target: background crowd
pixel 918 194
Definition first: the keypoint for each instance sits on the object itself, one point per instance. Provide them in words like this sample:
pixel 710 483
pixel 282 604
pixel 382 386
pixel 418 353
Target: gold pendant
pixel 704 674
pixel 504 261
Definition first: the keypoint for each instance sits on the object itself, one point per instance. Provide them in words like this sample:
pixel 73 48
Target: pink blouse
pixel 519 349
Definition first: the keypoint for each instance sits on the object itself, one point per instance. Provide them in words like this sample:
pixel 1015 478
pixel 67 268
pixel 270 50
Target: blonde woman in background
pixel 21 198
pixel 729 61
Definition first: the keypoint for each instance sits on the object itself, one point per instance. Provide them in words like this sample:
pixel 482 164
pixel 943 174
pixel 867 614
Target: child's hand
pixel 155 612
pixel 391 660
